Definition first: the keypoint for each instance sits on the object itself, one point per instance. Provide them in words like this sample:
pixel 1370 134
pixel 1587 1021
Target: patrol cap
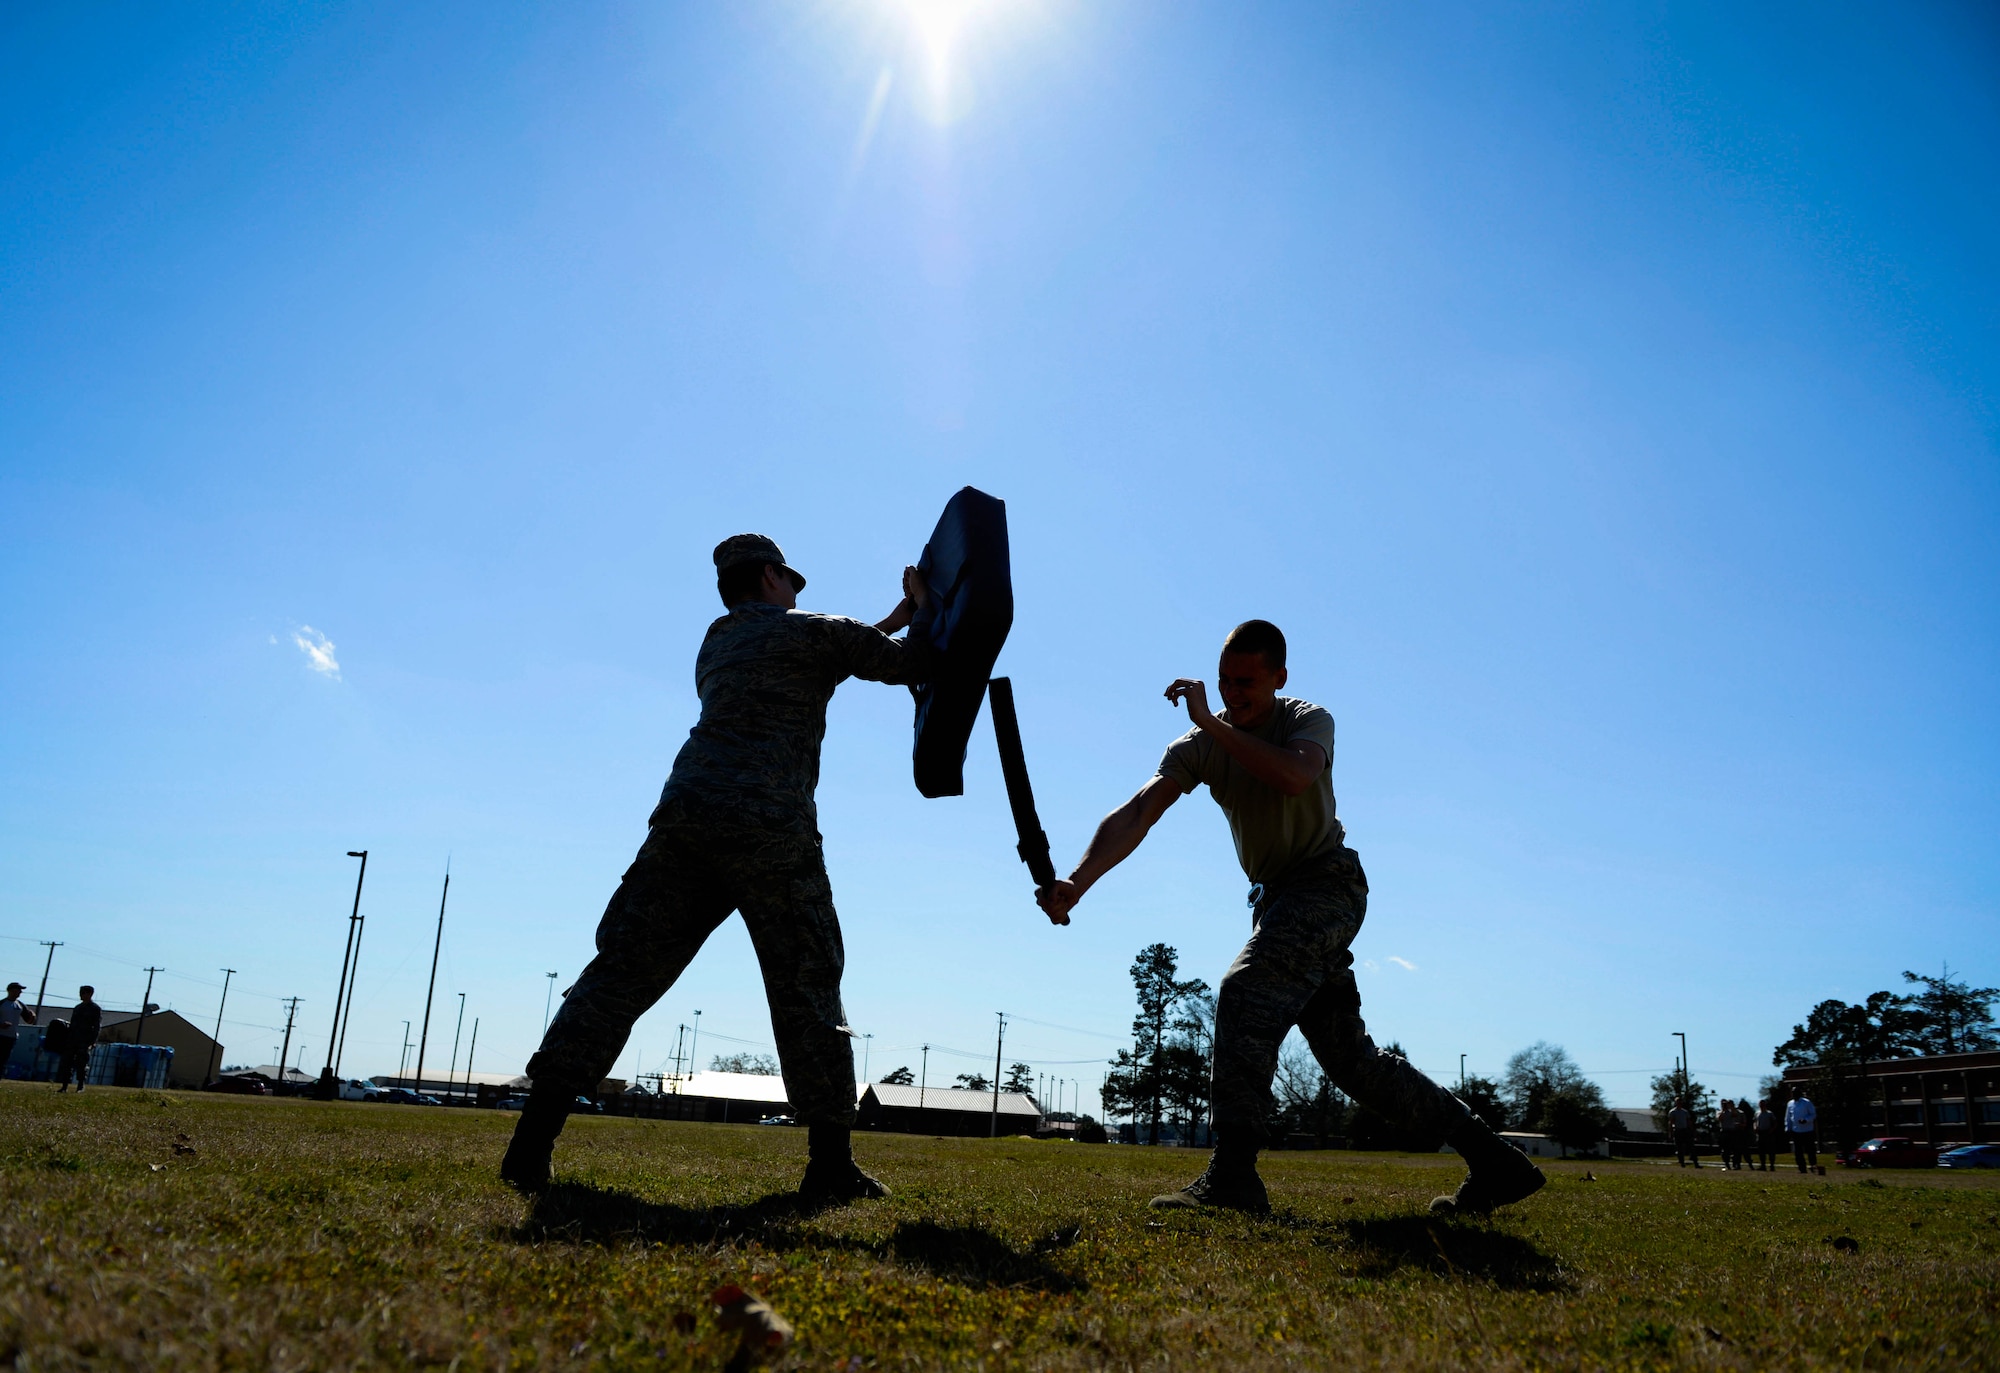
pixel 756 548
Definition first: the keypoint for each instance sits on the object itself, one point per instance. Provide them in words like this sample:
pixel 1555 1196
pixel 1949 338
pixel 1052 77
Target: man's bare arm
pixel 1290 768
pixel 1117 835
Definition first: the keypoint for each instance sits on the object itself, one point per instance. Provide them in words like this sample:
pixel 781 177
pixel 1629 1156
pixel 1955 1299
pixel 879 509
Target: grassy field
pixel 160 1230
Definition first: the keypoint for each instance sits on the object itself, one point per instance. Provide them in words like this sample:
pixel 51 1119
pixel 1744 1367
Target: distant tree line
pixel 1948 1016
pixel 762 1065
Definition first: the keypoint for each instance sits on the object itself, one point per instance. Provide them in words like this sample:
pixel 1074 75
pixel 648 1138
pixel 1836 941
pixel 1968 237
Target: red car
pixel 1893 1151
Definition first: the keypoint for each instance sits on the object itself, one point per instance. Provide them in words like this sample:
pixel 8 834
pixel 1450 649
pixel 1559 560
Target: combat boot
pixel 529 1153
pixel 832 1177
pixel 1229 1181
pixel 1498 1174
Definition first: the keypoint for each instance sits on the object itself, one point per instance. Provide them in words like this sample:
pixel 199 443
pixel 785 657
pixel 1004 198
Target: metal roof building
pixel 946 1111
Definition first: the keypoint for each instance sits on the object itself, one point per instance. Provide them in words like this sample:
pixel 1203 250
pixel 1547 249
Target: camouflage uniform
pixel 736 829
pixel 1297 970
pixel 1308 903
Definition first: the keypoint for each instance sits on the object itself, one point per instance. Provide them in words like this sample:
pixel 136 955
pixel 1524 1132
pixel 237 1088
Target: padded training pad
pixel 972 608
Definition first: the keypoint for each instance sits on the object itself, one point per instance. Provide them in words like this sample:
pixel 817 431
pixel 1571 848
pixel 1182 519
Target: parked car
pixel 582 1106
pixel 777 1120
pixel 1971 1156
pixel 401 1096
pixel 1893 1151
pixel 240 1085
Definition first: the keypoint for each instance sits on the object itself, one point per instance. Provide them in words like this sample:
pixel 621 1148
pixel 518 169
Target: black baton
pixel 1034 845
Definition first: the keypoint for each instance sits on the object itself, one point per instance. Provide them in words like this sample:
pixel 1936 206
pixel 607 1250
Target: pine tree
pixel 1952 1017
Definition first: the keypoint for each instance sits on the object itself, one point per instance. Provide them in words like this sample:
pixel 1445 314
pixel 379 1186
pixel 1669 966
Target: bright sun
pixel 940 29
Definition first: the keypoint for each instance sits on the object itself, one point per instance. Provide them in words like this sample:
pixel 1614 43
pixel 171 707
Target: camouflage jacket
pixel 764 675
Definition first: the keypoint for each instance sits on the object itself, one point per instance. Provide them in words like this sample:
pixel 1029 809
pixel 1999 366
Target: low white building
pixel 947 1111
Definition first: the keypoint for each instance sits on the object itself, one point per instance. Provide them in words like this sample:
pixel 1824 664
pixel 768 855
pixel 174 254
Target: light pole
pixel 1684 1064
pixel 924 1077
pixel 454 1042
pixel 867 1045
pixel 424 1037
pixel 1461 1073
pixel 146 1007
pixel 215 1045
pixel 999 1039
pixel 353 980
pixel 694 1040
pixel 547 1002
pixel 49 962
pixel 285 1050
pixel 327 1090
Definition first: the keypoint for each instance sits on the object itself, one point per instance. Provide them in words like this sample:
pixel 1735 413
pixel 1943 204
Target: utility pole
pixel 1461 1073
pixel 215 1045
pixel 680 1038
pixel 867 1047
pixel 404 1062
pixel 327 1091
pixel 347 1013
pixel 923 1079
pixel 999 1039
pixel 452 1080
pixel 146 1006
pixel 547 1002
pixel 693 1040
pixel 423 1039
pixel 469 1052
pixel 285 1051
pixel 49 962
pixel 1684 1065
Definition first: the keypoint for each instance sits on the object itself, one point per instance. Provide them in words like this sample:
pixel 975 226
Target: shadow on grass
pixel 1387 1244
pixel 580 1214
pixel 975 1257
pixel 970 1255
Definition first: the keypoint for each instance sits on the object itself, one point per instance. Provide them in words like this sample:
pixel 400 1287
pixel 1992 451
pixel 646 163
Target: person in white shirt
pixel 13 1015
pixel 1802 1124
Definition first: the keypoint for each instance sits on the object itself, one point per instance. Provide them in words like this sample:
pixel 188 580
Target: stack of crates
pixel 130 1065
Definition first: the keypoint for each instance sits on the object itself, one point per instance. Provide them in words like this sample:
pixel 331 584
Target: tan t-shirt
pixel 1273 831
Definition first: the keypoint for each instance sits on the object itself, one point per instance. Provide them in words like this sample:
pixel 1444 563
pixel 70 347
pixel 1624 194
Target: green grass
pixel 159 1230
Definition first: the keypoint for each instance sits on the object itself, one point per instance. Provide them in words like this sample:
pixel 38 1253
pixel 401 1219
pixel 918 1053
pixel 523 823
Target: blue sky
pixel 1604 402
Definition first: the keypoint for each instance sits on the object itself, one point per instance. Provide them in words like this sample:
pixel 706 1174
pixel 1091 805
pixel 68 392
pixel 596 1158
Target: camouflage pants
pixel 1296 970
pixel 686 881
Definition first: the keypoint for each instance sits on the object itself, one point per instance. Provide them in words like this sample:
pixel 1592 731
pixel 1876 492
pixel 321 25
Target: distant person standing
pixel 1770 1125
pixel 1726 1125
pixel 1802 1125
pixel 1680 1124
pixel 84 1023
pixel 1746 1135
pixel 12 1016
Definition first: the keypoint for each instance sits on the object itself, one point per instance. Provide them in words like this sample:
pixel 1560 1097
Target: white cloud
pixel 1405 964
pixel 318 650
pixel 1370 965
